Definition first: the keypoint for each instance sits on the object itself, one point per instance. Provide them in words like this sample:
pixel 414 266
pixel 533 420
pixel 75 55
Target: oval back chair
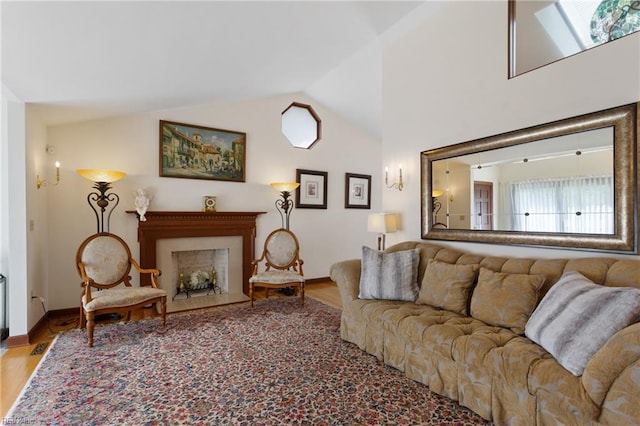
pixel 283 266
pixel 104 262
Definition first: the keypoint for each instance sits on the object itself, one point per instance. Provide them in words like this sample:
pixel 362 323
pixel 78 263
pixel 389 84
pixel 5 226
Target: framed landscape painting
pixel 357 191
pixel 196 152
pixel 312 192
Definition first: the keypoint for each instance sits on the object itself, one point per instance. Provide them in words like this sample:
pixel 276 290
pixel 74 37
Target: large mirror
pixel 570 183
pixel 544 31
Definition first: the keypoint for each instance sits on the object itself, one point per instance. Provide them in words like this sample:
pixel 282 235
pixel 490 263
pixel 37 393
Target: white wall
pixel 131 144
pixel 13 250
pixel 38 162
pixel 446 82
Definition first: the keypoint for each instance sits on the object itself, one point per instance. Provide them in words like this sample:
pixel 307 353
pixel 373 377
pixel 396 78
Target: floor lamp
pixel 102 184
pixel 284 205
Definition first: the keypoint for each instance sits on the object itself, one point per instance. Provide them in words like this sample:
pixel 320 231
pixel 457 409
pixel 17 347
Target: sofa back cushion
pixel 577 317
pixel 504 299
pixel 447 286
pixel 391 276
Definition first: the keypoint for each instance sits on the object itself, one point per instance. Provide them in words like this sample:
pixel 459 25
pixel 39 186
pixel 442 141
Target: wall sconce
pixel 41 182
pixel 382 223
pixel 398 185
pixel 284 205
pixel 102 183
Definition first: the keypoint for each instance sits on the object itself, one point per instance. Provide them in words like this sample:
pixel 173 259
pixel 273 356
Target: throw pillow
pixel 447 286
pixel 392 276
pixel 504 299
pixel 576 317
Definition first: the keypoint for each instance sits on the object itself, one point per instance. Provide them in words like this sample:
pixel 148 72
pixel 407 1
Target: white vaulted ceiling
pixel 81 60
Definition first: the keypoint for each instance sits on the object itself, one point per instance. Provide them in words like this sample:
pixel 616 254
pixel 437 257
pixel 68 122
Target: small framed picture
pixel 209 203
pixel 312 192
pixel 357 191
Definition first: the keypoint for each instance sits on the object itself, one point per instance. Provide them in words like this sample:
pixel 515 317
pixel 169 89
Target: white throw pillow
pixel 576 317
pixel 391 276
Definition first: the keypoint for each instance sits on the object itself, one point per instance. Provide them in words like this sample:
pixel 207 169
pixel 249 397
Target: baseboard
pixel 26 339
pixel 316 280
pixel 17 341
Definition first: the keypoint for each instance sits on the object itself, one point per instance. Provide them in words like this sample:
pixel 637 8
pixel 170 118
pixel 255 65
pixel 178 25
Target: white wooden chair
pixel 104 262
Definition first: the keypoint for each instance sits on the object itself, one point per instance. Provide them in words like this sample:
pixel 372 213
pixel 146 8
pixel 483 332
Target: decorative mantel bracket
pixel 179 224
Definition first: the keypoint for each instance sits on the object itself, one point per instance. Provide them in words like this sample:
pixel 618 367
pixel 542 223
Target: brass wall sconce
pixel 102 183
pixel 398 185
pixel 41 182
pixel 284 205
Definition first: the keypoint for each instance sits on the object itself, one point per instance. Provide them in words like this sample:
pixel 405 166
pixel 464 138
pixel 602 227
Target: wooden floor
pixel 17 364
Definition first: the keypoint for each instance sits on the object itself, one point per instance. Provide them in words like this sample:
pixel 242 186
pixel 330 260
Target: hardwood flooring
pixel 17 364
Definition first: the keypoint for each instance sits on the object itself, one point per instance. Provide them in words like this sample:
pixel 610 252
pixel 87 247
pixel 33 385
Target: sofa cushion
pixel 391 276
pixel 577 317
pixel 505 300
pixel 447 286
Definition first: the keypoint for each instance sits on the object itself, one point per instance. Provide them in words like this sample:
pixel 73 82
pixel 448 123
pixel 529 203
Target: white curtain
pixel 581 204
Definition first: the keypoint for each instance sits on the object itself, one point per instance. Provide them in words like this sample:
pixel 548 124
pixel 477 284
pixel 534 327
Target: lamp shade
pixel 285 186
pixel 382 223
pixel 99 175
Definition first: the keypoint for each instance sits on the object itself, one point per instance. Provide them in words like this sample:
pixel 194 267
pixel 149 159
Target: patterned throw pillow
pixel 447 286
pixel 576 317
pixel 505 300
pixel 392 276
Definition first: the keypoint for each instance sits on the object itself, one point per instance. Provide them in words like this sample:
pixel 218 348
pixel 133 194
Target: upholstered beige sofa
pixel 497 371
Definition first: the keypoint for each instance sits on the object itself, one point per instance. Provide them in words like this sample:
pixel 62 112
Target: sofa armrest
pixel 346 275
pixel 620 352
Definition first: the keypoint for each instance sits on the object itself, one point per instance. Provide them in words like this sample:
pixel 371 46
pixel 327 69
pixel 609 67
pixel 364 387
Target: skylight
pixel 576 25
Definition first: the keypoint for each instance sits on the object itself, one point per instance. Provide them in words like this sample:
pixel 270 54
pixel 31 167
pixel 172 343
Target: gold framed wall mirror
pixel 572 183
pixel 545 31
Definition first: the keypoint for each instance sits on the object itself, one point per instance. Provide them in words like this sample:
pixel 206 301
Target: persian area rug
pixel 278 363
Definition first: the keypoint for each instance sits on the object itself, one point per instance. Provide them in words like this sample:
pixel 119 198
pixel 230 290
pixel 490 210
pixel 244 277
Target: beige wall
pixel 131 144
pixel 446 82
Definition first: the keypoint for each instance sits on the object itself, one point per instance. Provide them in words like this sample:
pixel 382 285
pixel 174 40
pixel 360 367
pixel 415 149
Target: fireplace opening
pixel 200 272
pixel 201 254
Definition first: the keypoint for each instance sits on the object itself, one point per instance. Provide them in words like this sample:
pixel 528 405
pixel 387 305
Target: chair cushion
pixel 391 276
pixel 576 317
pixel 281 248
pixel 277 277
pixel 105 260
pixel 120 297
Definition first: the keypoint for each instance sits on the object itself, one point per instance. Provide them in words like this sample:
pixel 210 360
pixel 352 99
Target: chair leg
pixel 163 311
pixel 251 289
pixel 81 325
pixel 90 326
pixel 302 293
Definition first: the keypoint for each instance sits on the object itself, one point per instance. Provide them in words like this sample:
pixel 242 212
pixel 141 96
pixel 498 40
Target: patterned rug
pixel 278 363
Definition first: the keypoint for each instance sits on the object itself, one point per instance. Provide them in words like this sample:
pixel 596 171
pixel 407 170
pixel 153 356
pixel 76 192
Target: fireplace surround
pixel 162 225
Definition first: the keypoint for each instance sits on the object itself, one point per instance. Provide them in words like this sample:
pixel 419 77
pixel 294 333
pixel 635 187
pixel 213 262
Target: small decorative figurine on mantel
pixel 142 200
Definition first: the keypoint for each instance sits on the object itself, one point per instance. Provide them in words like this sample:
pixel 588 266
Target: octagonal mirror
pixel 301 125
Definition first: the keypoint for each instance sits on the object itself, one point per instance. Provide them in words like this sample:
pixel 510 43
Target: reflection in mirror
pixel 562 184
pixel 542 32
pixel 569 183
